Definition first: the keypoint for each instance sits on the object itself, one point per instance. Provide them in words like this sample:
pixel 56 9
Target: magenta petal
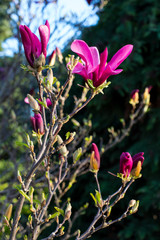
pixel 44 34
pixel 27 44
pixel 33 121
pixel 78 68
pixel 96 153
pixel 126 163
pixel 120 56
pixel 26 100
pixel 106 74
pixel 138 157
pixel 95 57
pixel 103 60
pixel 47 24
pixel 39 123
pixel 37 49
pixel 83 50
pixel 49 103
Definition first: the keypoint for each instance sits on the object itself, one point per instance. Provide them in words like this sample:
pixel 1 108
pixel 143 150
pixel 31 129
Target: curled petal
pixel 80 69
pixel 88 54
pixel 120 56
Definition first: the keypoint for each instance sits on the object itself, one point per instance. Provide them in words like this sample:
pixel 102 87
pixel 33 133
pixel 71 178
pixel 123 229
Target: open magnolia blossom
pixel 32 46
pixel 131 165
pixel 97 69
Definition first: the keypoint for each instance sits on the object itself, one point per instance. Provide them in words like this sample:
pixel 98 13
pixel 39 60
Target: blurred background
pixel 102 23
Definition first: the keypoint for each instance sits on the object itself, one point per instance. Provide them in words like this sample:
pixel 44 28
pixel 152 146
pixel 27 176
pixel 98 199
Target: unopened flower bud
pixel 63 149
pixel 37 123
pixel 33 103
pixel 138 160
pixel 68 211
pixel 131 203
pixel 134 97
pixel 95 158
pixel 8 212
pixel 134 207
pixel 59 54
pixel 52 58
pixel 50 77
pixel 126 164
pixel 39 62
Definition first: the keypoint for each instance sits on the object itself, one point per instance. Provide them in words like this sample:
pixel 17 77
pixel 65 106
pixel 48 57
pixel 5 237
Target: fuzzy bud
pixel 68 211
pixel 8 212
pixel 33 103
pixel 63 149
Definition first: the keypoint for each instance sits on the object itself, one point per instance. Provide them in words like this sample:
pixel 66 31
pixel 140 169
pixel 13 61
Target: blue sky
pixel 74 11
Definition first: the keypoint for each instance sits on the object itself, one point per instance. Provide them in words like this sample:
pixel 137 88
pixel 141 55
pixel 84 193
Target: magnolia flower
pixel 101 70
pixel 126 164
pixel 37 123
pixel 34 49
pixel 95 158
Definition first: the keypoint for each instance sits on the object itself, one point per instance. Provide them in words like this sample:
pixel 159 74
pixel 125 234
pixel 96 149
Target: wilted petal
pixel 120 56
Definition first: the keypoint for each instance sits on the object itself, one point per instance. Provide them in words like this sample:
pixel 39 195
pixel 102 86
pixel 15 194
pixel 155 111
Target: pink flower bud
pixel 95 158
pixel 37 123
pixel 136 158
pixel 126 164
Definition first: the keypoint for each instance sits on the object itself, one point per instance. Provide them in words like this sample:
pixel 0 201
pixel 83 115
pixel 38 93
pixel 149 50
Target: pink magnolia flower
pixel 126 164
pixel 37 123
pixel 95 158
pixel 32 46
pixel 101 70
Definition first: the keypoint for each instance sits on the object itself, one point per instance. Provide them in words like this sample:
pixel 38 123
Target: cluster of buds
pixel 131 165
pixel 134 98
pixel 57 52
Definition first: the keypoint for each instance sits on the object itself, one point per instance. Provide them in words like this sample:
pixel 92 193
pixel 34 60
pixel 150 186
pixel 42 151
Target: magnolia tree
pixel 57 161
